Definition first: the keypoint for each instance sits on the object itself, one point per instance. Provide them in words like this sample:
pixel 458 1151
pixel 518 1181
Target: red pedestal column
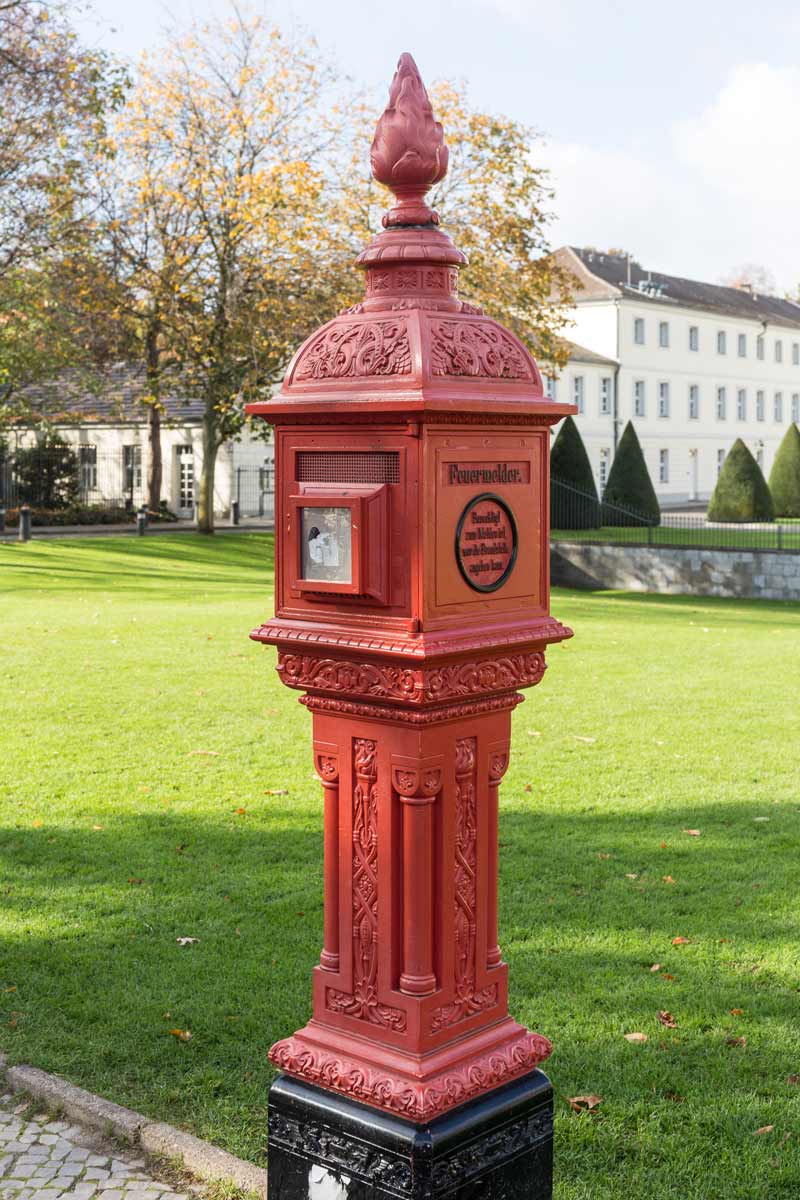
pixel 412 605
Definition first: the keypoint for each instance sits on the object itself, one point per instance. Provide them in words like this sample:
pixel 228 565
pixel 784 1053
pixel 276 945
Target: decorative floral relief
pixel 473 349
pixel 418 1101
pixel 415 684
pixel 467 1002
pixel 415 716
pixel 363 1002
pixel 340 1151
pixel 356 350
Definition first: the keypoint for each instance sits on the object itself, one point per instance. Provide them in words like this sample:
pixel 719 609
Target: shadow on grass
pixel 118 564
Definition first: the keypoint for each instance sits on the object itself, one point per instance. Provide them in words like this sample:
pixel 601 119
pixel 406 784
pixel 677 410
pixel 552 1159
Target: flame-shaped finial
pixel 408 152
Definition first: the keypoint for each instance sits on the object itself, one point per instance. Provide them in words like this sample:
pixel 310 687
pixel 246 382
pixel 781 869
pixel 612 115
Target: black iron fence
pixel 72 485
pixel 577 516
pixel 254 488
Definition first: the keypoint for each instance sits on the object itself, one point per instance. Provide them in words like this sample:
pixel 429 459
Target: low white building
pixel 107 428
pixel 693 365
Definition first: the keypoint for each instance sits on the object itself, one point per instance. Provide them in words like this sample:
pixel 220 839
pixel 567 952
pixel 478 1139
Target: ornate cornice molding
pixel 412 716
pixel 416 1100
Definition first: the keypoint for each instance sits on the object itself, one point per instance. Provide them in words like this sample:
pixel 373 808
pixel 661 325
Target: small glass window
pixel 694 401
pixel 638 331
pixel 742 345
pixel 694 337
pixel 778 351
pixel 722 342
pixel 326 536
pixel 759 406
pixel 760 346
pixel 663 334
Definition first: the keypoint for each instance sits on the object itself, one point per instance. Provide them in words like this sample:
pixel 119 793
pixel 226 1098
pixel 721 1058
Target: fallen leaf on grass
pixel 13 988
pixel 667 879
pixel 528 788
pixel 760 818
pixel 666 1018
pixel 209 753
pixel 534 733
pixel 674 1097
pixel 602 855
pixel 656 967
pixel 763 1129
pixel 37 824
pixel 588 740
pixel 691 832
pixel 635 1037
pixel 680 941
pixel 183 1035
pixel 21 1108
pixel 277 792
pixel 663 845
pixel 793 1078
pixel 96 827
pixel 134 880
pixel 240 812
pixel 630 875
pixel 666 975
pixel 737 1012
pixel 187 941
pixel 581 1104
pixel 736 1041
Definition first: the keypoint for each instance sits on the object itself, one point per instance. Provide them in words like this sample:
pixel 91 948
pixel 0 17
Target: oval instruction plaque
pixel 486 542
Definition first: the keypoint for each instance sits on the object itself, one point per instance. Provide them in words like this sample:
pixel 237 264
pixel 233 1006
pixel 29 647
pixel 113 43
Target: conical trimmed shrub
pixel 630 498
pixel 741 493
pixel 573 496
pixel 784 478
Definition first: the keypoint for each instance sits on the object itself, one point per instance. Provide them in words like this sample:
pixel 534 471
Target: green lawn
pixel 781 536
pixel 143 735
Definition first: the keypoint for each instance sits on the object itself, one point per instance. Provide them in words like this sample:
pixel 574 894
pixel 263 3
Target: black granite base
pixel 324 1147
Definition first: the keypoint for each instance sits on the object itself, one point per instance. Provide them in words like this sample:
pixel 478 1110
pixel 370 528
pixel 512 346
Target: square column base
pixel 323 1146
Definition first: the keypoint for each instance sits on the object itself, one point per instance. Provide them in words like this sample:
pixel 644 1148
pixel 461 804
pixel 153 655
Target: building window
pixel 722 342
pixel 760 346
pixel 605 459
pixel 638 398
pixel 87 468
pixel 720 461
pixel 778 406
pixel 741 344
pixel 663 334
pixel 550 387
pixel 694 337
pixel 577 392
pixel 663 399
pixel 796 407
pixel 778 351
pixel 722 402
pixel 132 468
pixel 741 405
pixel 605 395
pixel 638 330
pixel 694 402
pixel 663 466
pixel 796 354
pixel 759 406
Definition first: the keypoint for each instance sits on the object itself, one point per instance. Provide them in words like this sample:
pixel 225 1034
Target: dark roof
pixel 673 289
pixel 112 397
pixel 581 354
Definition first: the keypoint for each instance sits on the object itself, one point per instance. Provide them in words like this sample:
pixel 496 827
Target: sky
pixel 670 129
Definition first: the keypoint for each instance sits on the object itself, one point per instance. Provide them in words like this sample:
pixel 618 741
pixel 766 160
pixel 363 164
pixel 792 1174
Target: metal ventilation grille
pixel 348 466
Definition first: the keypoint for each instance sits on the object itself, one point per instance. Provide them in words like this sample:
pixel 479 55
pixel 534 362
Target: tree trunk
pixel 205 514
pixel 155 470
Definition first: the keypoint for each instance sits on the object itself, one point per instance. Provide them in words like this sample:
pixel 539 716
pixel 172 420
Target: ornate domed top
pixel 411 336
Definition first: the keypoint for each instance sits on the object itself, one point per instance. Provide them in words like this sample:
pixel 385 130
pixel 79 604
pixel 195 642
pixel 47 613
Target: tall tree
pixel 233 121
pixel 55 101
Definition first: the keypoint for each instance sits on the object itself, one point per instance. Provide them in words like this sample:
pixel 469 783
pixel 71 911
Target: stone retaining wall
pixel 764 574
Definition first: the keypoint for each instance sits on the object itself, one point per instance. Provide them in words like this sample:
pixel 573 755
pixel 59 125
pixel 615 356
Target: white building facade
pixel 107 429
pixel 694 366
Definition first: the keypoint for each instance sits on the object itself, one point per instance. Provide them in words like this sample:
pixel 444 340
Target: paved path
pixel 44 1159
